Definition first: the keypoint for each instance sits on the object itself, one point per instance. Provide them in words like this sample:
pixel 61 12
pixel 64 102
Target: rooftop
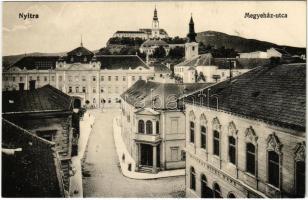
pixel 154 42
pixel 46 98
pixel 120 61
pixel 37 62
pixel 162 95
pixel 274 94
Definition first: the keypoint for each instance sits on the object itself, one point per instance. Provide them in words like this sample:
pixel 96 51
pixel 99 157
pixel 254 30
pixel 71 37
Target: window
pixel 192 132
pixel 102 78
pixel 52 78
pixel 116 78
pixel 149 127
pixel 217 192
pixel 193 48
pixel 60 78
pixel 94 78
pixel 232 150
pixel 77 89
pixel 109 78
pixel 102 90
pixel 13 78
pixel 83 78
pixel 30 78
pixel 47 135
pixel 20 79
pixel 70 89
pixel 157 127
pixel 84 89
pixel 216 143
pixel 94 90
pixel 183 155
pixel 140 126
pixel 109 90
pixel 116 90
pixel 124 78
pixel 37 78
pixel 203 137
pixel 94 101
pixel 206 192
pixel 300 167
pixel 192 178
pixel 133 78
pixel 250 158
pixel 174 153
pixel 231 195
pixel 76 78
pixel 273 168
pixel 70 78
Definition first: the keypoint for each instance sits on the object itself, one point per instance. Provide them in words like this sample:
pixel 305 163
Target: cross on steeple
pixel 81 41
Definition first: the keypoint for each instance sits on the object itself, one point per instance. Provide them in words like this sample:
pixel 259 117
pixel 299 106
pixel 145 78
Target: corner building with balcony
pixel 246 137
pixel 153 124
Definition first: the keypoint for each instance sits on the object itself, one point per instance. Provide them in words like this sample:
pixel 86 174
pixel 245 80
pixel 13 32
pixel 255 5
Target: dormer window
pixel 79 54
pixel 72 59
pixel 11 101
pixel 85 59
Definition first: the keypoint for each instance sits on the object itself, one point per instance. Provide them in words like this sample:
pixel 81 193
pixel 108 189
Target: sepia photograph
pixel 153 99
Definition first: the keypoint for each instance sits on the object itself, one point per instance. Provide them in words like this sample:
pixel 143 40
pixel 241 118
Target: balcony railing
pixel 153 138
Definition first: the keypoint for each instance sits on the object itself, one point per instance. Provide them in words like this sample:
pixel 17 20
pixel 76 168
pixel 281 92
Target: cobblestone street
pixel 101 173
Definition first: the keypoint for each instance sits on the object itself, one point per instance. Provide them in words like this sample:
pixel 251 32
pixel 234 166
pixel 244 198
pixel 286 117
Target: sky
pixel 61 24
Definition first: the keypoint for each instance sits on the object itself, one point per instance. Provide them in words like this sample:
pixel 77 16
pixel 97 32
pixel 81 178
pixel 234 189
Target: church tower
pixel 191 46
pixel 155 25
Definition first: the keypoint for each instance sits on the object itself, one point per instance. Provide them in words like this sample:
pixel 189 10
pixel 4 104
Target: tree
pixel 104 51
pixel 177 52
pixel 201 77
pixel 159 52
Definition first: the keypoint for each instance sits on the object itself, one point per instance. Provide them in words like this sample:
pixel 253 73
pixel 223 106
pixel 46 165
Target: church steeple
pixel 191 46
pixel 155 14
pixel 155 25
pixel 191 35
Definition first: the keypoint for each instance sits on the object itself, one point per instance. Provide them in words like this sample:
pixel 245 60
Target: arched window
pixel 192 132
pixel 140 126
pixel 217 192
pixel 273 160
pixel 251 158
pixel 216 143
pixel 232 150
pixel 157 127
pixel 300 178
pixel 192 179
pixel 203 137
pixel 273 168
pixel 149 127
pixel 300 166
pixel 231 195
pixel 192 118
pixel 206 192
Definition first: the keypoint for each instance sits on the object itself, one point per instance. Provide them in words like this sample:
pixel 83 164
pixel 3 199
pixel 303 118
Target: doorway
pixel 146 155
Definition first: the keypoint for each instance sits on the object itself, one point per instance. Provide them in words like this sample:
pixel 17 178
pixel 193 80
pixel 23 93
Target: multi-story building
pixel 210 68
pixel 145 33
pixel 47 113
pixel 246 137
pixel 153 124
pixel 96 80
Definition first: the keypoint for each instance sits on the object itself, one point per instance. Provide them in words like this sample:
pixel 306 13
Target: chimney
pixel 32 85
pixel 21 87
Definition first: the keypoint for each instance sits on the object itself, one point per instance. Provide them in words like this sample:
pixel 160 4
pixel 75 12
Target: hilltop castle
pixel 145 33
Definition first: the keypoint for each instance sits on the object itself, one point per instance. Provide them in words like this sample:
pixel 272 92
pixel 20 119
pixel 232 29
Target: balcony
pixel 150 138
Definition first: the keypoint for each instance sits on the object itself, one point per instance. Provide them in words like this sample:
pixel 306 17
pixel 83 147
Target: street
pixel 101 173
